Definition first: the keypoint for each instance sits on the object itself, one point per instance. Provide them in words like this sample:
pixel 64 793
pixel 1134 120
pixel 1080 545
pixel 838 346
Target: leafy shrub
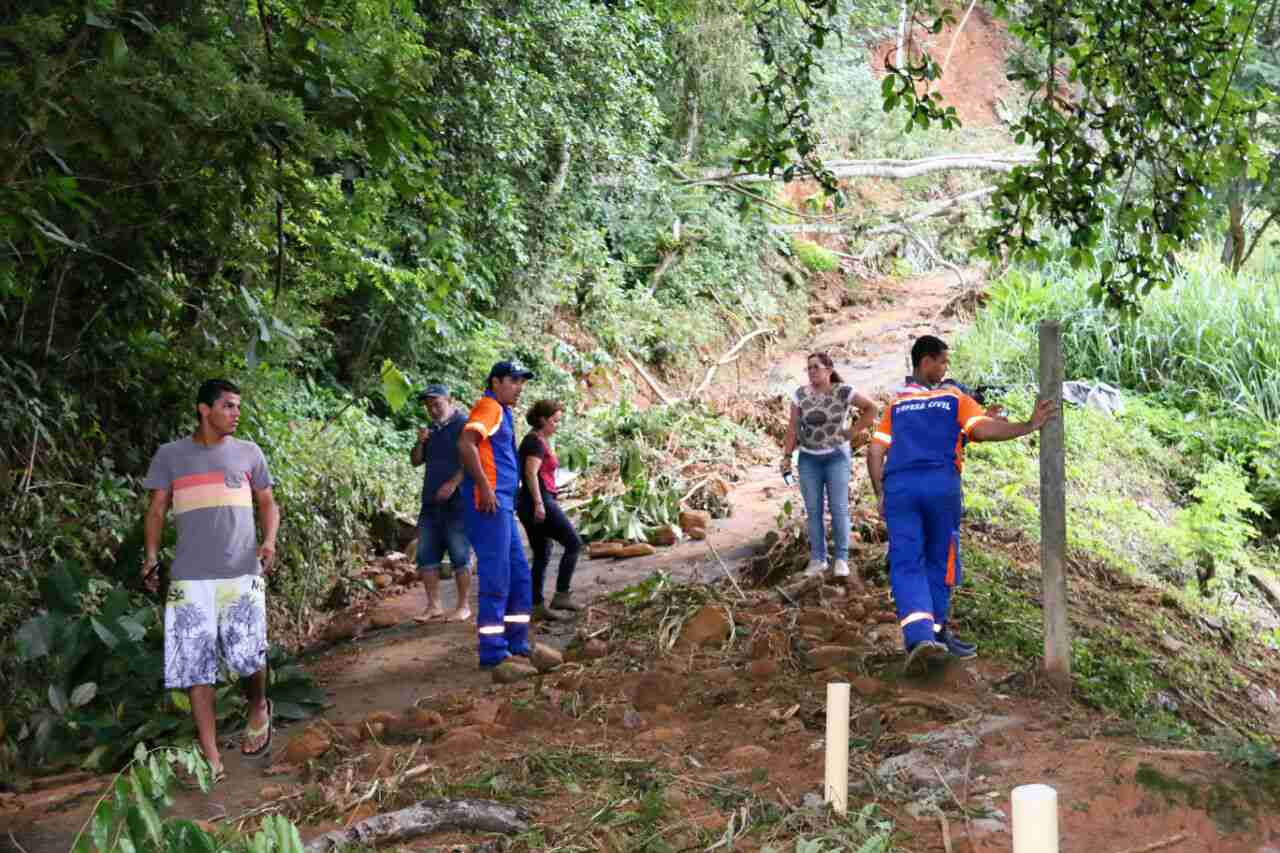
pixel 127 816
pixel 645 504
pixel 1214 530
pixel 814 257
pixel 99 652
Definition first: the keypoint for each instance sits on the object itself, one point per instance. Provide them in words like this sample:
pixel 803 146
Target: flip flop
pixel 424 618
pixel 253 734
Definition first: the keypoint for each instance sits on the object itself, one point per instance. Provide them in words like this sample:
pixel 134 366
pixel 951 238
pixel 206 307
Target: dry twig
pixel 1157 845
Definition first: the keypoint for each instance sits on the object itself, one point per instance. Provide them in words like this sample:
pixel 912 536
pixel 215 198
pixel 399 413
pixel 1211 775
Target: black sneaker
pixel 922 653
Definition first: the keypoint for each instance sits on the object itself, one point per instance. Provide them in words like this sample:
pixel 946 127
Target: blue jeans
pixel 441 529
pixel 824 479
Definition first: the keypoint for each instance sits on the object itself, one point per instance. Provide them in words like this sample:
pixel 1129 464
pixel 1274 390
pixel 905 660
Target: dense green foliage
pixel 1208 349
pixel 294 193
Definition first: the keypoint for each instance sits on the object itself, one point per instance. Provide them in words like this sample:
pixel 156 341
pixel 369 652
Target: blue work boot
pixel 957 647
pixel 919 655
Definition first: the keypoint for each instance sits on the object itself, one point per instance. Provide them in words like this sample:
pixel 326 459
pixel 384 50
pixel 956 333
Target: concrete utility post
pixel 1053 514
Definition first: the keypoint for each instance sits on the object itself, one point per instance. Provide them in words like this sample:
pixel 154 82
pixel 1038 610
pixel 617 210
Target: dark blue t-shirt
pixel 441 454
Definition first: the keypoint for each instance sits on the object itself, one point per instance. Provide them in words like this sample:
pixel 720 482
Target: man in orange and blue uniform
pixel 915 459
pixel 487 449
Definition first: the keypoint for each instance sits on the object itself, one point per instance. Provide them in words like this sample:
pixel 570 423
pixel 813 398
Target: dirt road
pixel 420 664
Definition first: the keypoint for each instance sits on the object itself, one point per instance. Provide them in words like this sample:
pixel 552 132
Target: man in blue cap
pixel 487 449
pixel 441 526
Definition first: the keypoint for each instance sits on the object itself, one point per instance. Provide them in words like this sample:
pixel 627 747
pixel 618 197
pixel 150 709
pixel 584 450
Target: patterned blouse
pixel 822 417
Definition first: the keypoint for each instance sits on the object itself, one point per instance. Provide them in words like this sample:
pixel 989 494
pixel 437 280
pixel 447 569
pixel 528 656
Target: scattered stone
pixel 384 617
pixel 867 722
pixel 855 610
pixel 654 689
pixel 636 649
pixel 544 658
pixel 408 577
pixel 419 721
pixel 271 792
pixel 884 617
pixel 639 549
pixel 812 801
pixel 708 626
pixel 662 734
pixel 833 656
pixel 382 580
pixel 631 720
pixel 594 649
pixel 348 733
pixel 763 669
pixel 343 627
pixel 512 670
pixel 312 742
pixel 772 644
pixel 664 536
pixel 747 756
pixel 604 549
pixel 866 686
pixel 459 742
pixel 824 619
pixel 694 519
pixel 484 711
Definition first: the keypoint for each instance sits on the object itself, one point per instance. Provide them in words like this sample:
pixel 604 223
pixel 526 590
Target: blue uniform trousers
pixel 506 589
pixel 922 511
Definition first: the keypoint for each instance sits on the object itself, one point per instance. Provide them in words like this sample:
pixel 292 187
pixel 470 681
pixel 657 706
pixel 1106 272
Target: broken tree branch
pixel 928 250
pixel 934 210
pixel 653 383
pixel 955 37
pixel 727 358
pixel 422 818
pixel 890 169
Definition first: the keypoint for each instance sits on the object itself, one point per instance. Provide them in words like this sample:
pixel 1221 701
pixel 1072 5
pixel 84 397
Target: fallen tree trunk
pixel 889 168
pixel 933 210
pixel 653 383
pixel 422 818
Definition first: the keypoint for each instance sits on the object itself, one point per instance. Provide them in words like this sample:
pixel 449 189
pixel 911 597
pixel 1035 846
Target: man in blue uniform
pixel 914 461
pixel 487 450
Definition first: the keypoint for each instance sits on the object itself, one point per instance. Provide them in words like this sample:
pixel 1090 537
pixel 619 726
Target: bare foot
pixel 462 614
pixel 430 614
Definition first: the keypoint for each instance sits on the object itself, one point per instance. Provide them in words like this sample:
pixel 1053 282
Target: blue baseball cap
pixel 435 389
pixel 510 368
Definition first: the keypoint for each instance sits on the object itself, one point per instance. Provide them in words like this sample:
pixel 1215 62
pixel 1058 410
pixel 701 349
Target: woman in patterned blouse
pixel 819 414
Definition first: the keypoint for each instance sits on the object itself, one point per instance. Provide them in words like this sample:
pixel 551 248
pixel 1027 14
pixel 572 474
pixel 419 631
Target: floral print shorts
pixel 212 625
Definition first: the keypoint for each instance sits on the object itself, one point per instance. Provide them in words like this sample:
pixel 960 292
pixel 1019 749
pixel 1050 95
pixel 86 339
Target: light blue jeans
pixel 824 479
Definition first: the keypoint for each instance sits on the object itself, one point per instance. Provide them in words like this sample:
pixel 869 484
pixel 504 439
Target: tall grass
pixel 1211 342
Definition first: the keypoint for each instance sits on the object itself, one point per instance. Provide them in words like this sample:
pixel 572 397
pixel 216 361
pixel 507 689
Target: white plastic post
pixel 837 782
pixel 1035 819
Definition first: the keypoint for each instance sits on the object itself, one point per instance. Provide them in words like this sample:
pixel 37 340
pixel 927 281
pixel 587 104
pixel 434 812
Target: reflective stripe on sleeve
pixel 490 629
pixel 976 419
pixel 482 429
pixel 883 437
